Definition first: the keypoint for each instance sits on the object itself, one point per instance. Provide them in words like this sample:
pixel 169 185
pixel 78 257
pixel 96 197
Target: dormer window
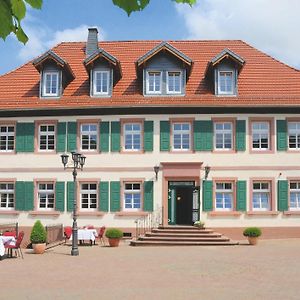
pixel 225 83
pixel 174 82
pixel 101 83
pixel 154 82
pixel 51 84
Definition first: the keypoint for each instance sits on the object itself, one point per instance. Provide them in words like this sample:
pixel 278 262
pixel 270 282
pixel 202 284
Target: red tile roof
pixel 263 81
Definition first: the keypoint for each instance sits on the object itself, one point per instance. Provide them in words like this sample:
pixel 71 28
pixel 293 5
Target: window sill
pixel 44 213
pixel 292 212
pixel 131 213
pixel 9 212
pixel 225 213
pixel 262 213
pixel 90 213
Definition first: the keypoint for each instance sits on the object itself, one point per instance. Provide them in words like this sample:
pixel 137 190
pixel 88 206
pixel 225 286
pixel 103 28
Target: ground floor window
pixel 46 196
pixel 295 195
pixel 7 196
pixel 224 196
pixel 261 196
pixel 88 196
pixel 132 196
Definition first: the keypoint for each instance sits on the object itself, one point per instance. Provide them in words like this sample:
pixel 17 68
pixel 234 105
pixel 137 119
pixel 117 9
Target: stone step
pixel 184 239
pixel 188 231
pixel 178 227
pixel 165 234
pixel 180 243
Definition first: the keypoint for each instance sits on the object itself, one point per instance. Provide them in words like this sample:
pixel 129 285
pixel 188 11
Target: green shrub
pixel 38 233
pixel 199 224
pixel 252 232
pixel 114 233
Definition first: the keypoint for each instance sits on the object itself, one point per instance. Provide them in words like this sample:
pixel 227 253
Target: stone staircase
pixel 182 236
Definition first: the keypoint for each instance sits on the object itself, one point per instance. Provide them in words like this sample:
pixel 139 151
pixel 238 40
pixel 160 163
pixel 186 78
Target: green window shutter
pixel 103 199
pixel 148 136
pixel 29 195
pixel 104 137
pixel 60 196
pixel 241 195
pixel 203 135
pixel 282 194
pixel 70 195
pixel 207 195
pixel 115 136
pixel 72 137
pixel 25 137
pixel 61 137
pixel 20 195
pixel 115 196
pixel 148 196
pixel 240 135
pixel 281 129
pixel 164 135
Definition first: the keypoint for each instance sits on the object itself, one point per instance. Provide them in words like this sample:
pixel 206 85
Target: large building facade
pixel 190 130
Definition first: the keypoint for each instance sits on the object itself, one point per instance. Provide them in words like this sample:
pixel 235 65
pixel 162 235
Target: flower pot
pixel 113 242
pixel 39 248
pixel 252 240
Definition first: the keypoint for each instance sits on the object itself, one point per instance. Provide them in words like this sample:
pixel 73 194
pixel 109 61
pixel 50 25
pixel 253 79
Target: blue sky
pixel 269 25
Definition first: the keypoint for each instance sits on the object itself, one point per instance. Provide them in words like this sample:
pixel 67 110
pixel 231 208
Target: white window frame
pixel 132 133
pixel 295 132
pixel 47 134
pixel 260 192
pixel 224 191
pixel 89 192
pixel 95 92
pixel 89 133
pixel 7 134
pixel 181 132
pixel 46 192
pixel 148 83
pixel 132 192
pixel 180 82
pixel 261 132
pixel 220 92
pixel 51 73
pixel 6 193
pixel 223 132
pixel 296 191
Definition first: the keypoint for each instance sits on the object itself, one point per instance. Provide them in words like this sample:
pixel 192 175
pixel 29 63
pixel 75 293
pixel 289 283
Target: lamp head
pixel 82 160
pixel 156 170
pixel 64 159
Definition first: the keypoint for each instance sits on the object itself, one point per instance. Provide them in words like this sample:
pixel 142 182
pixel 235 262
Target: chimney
pixel 92 42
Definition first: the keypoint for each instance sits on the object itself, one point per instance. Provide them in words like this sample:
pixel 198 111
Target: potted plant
pixel 252 233
pixel 38 237
pixel 199 224
pixel 114 235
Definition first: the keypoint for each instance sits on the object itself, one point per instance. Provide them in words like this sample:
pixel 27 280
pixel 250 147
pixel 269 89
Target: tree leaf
pixel 20 34
pixel 131 5
pixel 35 3
pixel 190 2
pixel 18 9
pixel 6 23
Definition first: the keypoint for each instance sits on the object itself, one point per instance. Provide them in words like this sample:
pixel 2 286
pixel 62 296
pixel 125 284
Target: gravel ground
pixel 270 270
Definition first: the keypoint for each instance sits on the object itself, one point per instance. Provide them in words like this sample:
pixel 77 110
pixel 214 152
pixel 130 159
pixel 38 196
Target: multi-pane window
pixel 50 87
pixel 132 196
pixel 88 136
pixel 132 136
pixel 88 196
pixel 181 136
pixel 46 196
pixel 295 195
pixel 224 196
pixel 225 85
pixel 260 135
pixel 7 138
pixel 223 135
pixel 101 82
pixel 47 137
pixel 7 195
pixel 154 81
pixel 261 196
pixel 294 135
pixel 173 82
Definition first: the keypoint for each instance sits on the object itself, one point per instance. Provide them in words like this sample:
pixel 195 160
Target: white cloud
pixel 269 25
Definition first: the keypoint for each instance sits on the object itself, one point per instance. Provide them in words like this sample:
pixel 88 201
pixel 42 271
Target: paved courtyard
pixel 270 270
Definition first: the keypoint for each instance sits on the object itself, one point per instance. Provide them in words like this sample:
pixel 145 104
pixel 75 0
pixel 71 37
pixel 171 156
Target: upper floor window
pixel 88 137
pixel 51 84
pixel 223 135
pixel 7 196
pixel 88 196
pixel 225 83
pixel 261 196
pixel 132 196
pixel 295 195
pixel 294 135
pixel 46 196
pixel 181 136
pixel 46 137
pixel 101 83
pixel 224 196
pixel 7 138
pixel 154 82
pixel 173 82
pixel 260 135
pixel 132 136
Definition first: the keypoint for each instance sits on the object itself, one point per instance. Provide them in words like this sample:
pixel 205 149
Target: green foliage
pixel 38 233
pixel 114 233
pixel 199 224
pixel 252 232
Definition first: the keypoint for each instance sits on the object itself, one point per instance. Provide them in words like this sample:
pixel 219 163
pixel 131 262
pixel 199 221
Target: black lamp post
pixel 78 163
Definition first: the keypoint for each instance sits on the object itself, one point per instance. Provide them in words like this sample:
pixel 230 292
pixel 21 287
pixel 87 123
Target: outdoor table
pixel 6 240
pixel 87 234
